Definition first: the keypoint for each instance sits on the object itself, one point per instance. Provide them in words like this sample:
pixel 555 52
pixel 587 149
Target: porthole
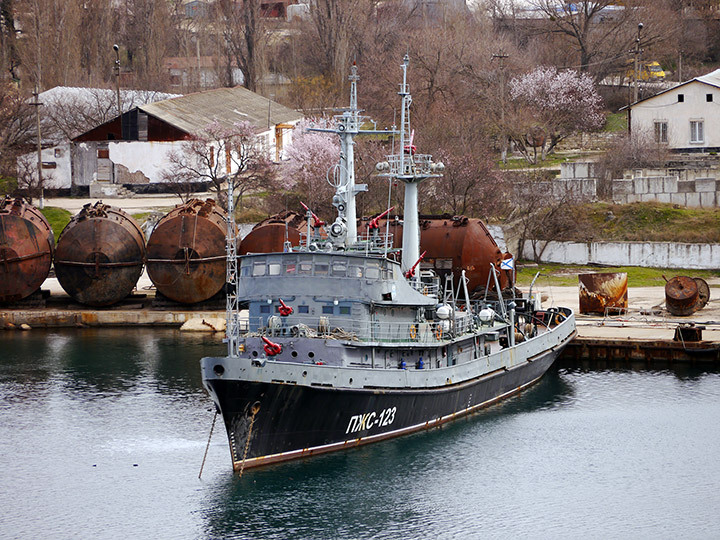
pixel 304 373
pixel 219 370
pixel 293 354
pixel 311 354
pixel 351 380
pixel 254 353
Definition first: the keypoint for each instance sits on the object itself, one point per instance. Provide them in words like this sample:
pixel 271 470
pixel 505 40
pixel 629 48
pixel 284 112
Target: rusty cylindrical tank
pixel 100 255
pixel 269 235
pixel 26 249
pixel 456 243
pixel 186 252
pixel 603 292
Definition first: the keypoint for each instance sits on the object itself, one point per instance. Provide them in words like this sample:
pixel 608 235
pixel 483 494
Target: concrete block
pixel 641 185
pixel 633 198
pixel 693 200
pixel 705 184
pixel 686 186
pixel 581 170
pixel 678 198
pixel 708 200
pixel 663 197
pixel 567 170
pixel 621 188
pixel 655 184
pixel 648 197
pixel 670 184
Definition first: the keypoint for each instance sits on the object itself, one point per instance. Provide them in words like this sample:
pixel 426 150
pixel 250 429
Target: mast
pixel 411 169
pixel 348 125
pixel 232 315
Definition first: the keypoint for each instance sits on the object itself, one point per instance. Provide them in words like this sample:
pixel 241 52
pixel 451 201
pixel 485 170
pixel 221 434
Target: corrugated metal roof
pixel 228 106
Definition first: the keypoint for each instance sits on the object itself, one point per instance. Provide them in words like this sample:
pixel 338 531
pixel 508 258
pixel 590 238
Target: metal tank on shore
pixel 26 249
pixel 100 255
pixel 186 252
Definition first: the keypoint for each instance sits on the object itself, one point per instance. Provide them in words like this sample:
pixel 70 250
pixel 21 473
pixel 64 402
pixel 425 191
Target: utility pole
pixel 503 149
pixel 116 69
pixel 37 104
pixel 680 66
pixel 638 50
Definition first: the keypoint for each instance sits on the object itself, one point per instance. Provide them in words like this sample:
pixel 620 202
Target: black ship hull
pixel 273 422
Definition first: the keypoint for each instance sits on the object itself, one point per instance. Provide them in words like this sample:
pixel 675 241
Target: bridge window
pixel 259 269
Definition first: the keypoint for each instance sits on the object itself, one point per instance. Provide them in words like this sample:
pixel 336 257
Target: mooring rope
pixel 208 443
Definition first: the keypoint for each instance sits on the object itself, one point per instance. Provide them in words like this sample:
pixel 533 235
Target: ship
pixel 349 341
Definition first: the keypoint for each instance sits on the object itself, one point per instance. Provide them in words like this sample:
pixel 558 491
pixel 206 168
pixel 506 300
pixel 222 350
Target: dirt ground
pixel 646 317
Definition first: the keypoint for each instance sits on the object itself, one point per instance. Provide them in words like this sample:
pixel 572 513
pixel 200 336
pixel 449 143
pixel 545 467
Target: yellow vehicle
pixel 648 71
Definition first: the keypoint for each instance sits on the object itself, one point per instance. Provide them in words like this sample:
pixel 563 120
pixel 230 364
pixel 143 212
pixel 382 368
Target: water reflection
pixel 102 433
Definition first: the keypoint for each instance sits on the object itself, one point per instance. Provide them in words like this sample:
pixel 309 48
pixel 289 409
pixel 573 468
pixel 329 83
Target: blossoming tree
pixel 312 157
pixel 550 105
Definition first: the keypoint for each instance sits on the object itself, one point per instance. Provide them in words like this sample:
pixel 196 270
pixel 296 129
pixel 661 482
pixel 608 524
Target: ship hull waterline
pixel 296 421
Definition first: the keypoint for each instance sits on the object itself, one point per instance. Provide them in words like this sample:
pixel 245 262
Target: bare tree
pixel 17 128
pixel 602 33
pixel 218 153
pixel 541 213
pixel 244 37
pixel 28 179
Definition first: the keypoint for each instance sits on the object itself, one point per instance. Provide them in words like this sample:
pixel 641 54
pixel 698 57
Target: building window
pixel 697 134
pixel 661 132
pixel 708 97
pixel 681 98
pixel 327 310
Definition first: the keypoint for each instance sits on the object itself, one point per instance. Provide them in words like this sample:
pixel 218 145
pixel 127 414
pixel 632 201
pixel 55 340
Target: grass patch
pixel 615 122
pixel 250 215
pixel 141 217
pixel 553 160
pixel 57 217
pixel 647 222
pixel 8 185
pixel 561 275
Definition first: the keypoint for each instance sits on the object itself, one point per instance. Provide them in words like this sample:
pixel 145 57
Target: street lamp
pixel 36 103
pixel 637 61
pixel 116 69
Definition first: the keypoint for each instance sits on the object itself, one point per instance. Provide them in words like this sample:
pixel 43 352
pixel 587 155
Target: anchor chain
pixel 212 427
pixel 253 411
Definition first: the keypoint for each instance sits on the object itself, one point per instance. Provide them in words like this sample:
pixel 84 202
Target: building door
pixel 104 165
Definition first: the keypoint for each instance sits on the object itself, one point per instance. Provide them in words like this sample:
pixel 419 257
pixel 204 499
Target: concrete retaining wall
pixel 653 254
pixel 661 185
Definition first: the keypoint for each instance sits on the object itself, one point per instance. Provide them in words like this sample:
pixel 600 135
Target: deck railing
pixel 362 330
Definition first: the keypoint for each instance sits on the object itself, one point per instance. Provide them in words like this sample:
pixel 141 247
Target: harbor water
pixel 102 434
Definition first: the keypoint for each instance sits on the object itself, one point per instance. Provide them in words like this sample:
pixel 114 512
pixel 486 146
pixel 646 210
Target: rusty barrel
pixel 186 252
pixel 26 249
pixel 682 296
pixel 603 292
pixel 100 255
